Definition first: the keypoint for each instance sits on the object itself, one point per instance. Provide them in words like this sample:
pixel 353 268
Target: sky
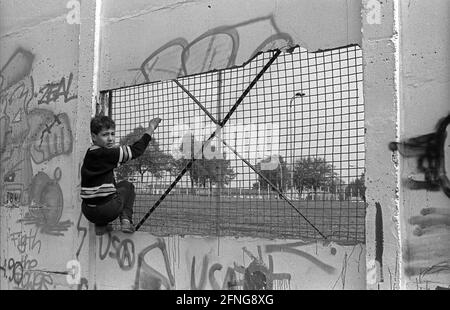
pixel 326 120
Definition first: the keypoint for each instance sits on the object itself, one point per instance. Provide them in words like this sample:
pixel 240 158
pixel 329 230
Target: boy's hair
pixel 101 122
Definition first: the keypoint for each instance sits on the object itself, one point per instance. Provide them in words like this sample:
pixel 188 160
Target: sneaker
pixel 127 227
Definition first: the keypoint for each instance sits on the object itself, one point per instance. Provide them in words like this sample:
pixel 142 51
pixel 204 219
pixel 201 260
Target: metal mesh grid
pixel 301 126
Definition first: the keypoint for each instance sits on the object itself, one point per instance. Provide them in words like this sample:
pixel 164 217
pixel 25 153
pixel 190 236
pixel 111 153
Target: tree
pixel 212 171
pixel 314 172
pixel 153 160
pixel 204 171
pixel 279 176
pixel 356 188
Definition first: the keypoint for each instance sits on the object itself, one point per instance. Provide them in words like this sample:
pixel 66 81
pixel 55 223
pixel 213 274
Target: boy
pixel 103 199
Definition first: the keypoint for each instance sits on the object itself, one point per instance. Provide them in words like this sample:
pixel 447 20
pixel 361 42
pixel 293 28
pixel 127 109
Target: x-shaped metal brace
pixel 219 127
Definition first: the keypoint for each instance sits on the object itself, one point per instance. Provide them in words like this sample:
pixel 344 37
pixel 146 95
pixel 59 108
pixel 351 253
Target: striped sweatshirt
pixel 97 172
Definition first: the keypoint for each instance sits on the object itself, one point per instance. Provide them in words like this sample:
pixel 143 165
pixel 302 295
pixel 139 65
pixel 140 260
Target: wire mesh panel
pixel 289 162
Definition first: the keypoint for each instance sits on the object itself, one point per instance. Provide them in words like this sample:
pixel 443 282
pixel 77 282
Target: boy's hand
pixel 152 125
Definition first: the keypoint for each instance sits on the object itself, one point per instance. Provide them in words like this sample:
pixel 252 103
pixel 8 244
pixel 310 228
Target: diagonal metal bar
pixel 271 185
pixel 222 123
pixel 246 161
pixel 197 102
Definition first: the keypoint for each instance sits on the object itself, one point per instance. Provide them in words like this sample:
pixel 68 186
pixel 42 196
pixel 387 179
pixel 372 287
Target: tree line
pixel 307 174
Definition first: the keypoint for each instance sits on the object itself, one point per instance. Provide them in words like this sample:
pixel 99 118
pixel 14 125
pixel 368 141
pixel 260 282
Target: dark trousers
pixel 121 204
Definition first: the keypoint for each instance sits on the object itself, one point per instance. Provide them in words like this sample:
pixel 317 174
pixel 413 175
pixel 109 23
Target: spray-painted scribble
pixel 122 250
pixel 272 248
pixel 23 275
pixel 25 242
pixel 84 231
pixel 430 152
pixel 430 219
pixel 30 134
pixel 231 280
pixel 217 48
pixel 256 276
pixel 52 135
pixel 52 91
pixel 202 282
pixel 46 205
pixel 427 251
pixel 427 248
pixel 147 277
pixel 16 68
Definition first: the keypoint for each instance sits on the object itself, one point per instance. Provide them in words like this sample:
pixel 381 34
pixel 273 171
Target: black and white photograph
pixel 220 148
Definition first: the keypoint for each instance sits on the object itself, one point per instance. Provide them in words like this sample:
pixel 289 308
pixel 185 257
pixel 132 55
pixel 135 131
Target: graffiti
pixel 289 249
pixel 12 199
pixel 215 49
pixel 435 269
pixel 256 276
pixel 430 219
pixel 46 193
pixel 29 134
pixel 81 229
pixel 379 241
pixel 430 151
pixel 154 267
pixel 16 68
pixel 428 278
pixel 25 242
pixel 429 243
pixel 123 251
pixel 427 250
pixel 23 276
pixel 230 281
pixel 147 277
pixel 52 135
pixel 202 282
pixel 52 91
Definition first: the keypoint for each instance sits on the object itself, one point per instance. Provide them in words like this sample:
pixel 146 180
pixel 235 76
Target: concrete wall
pixel 425 109
pixel 195 263
pixel 158 40
pixel 406 95
pixel 381 105
pixel 48 83
pixel 143 41
pixel 40 214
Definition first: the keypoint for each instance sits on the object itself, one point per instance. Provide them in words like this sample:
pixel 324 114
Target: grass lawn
pixel 339 220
